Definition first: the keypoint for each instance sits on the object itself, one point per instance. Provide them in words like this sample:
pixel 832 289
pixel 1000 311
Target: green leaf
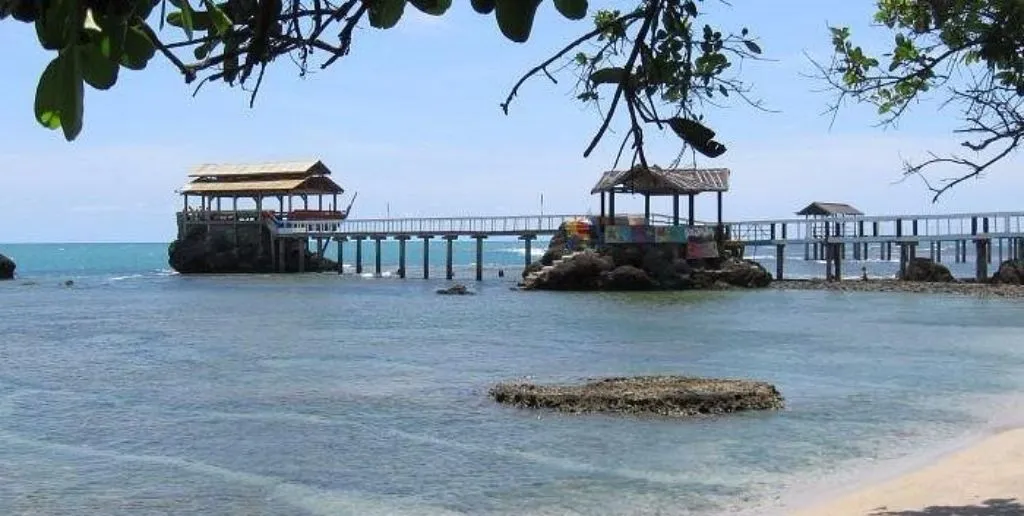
pixel 201 20
pixel 53 22
pixel 384 14
pixel 59 95
pixel 611 75
pixel 483 6
pixel 186 16
pixel 203 51
pixel 515 18
pixel 432 7
pixel 572 9
pixel 138 49
pixel 97 69
pixel 219 19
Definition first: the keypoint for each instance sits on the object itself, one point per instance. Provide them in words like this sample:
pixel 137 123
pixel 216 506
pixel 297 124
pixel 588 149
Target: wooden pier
pixel 261 212
pixel 525 227
pixel 992 235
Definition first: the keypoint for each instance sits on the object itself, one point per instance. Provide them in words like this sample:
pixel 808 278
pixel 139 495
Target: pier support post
pixel 479 256
pixel 401 255
pixel 282 255
pixel 426 255
pixel 938 251
pixel 903 260
pixel 341 254
pixel 449 271
pixel 780 259
pixel 837 255
pixel 528 243
pixel 981 258
pixel 376 255
pixel 359 254
pixel 302 246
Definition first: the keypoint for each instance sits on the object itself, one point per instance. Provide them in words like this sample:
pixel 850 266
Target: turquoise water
pixel 138 391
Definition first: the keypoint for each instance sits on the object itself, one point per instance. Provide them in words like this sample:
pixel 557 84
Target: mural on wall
pixel 645 234
pixel 580 233
pixel 701 243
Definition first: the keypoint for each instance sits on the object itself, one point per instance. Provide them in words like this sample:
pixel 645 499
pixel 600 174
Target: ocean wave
pixel 521 251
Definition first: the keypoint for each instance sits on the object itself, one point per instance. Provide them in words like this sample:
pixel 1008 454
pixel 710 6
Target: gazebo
pixel 826 220
pixel 210 184
pixel 660 182
pixel 819 209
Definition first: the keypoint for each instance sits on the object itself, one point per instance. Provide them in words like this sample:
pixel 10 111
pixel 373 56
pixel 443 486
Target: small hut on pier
pixel 660 182
pixel 825 221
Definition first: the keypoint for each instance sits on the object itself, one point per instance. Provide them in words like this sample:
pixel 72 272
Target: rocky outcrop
pixel 621 269
pixel 7 267
pixel 1011 272
pixel 626 277
pixel 672 396
pixel 583 265
pixel 204 252
pixel 926 270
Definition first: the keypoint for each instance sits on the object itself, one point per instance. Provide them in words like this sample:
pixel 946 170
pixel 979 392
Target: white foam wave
pixel 128 277
pixel 521 251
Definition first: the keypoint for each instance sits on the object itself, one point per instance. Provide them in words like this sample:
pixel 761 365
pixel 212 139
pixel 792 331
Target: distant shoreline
pixel 911 287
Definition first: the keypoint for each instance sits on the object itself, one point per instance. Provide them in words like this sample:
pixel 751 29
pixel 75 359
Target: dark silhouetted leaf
pixel 572 9
pixel 483 6
pixel 384 14
pixel 515 18
pixel 432 7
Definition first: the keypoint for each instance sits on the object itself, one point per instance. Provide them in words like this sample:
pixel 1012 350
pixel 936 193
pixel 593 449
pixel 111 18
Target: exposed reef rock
pixel 672 396
pixel 926 270
pixel 457 289
pixel 202 251
pixel 7 267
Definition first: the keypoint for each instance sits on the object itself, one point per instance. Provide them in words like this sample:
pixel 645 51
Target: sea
pixel 128 389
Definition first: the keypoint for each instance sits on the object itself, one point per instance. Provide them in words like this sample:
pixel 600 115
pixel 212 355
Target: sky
pixel 410 120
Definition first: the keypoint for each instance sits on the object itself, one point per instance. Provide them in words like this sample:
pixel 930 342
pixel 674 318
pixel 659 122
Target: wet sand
pixel 887 285
pixel 985 479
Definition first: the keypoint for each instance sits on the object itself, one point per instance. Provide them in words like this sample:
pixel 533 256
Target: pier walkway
pixel 832 239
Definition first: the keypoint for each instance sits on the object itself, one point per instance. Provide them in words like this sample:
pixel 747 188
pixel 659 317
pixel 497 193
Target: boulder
pixel 671 396
pixel 627 277
pixel 7 267
pixel 457 289
pixel 926 270
pixel 744 273
pixel 577 271
pixel 1011 272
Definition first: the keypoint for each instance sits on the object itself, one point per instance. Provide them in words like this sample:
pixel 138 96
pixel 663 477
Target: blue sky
pixel 411 121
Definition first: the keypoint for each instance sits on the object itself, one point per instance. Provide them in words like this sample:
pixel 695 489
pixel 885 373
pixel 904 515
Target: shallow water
pixel 139 392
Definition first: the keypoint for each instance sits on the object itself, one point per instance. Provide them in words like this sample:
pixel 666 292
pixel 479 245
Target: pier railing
pixel 509 225
pixel 880 228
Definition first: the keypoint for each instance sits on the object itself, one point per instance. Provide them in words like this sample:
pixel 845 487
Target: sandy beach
pixel 985 479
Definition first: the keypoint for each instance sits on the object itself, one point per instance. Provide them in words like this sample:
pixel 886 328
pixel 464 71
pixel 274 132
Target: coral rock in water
pixel 673 396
